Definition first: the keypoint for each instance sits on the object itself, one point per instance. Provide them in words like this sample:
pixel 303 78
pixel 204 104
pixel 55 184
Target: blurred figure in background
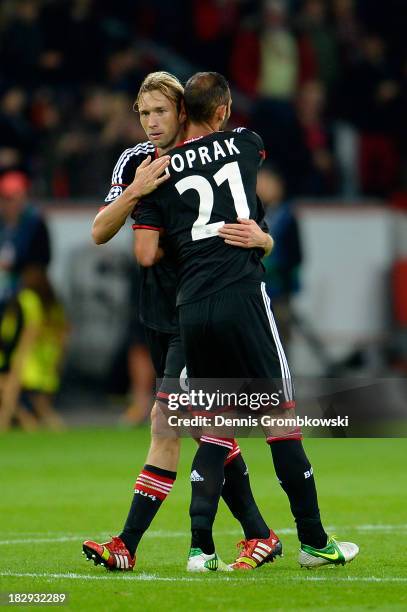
pixel 278 52
pixel 81 150
pixel 369 98
pixel 16 132
pixel 100 129
pixel 347 30
pixel 318 138
pixel 33 332
pixel 24 237
pixel 21 42
pixel 268 49
pixel 282 265
pixel 318 46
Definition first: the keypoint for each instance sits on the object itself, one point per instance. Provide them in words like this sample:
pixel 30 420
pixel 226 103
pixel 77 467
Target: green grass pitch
pixel 58 489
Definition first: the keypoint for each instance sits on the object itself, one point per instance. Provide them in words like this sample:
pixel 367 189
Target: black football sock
pixel 294 472
pixel 238 496
pixel 206 481
pixel 152 487
pixel 203 539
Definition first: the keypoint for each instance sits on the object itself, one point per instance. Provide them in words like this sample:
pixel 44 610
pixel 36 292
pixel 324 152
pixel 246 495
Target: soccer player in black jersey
pixel 160 105
pixel 227 326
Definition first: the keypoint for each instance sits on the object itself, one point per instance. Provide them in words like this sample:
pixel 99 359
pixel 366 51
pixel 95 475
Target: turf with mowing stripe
pixel 58 489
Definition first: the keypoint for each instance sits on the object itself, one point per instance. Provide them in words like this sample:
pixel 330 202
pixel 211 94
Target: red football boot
pixel 112 555
pixel 256 552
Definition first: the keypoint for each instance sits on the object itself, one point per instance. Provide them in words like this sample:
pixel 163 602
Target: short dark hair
pixel 203 93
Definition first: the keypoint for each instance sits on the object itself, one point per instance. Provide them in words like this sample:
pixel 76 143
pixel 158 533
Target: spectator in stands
pixel 318 138
pixel 370 95
pixel 124 71
pixel 83 155
pixel 347 31
pixel 268 50
pixel 264 59
pixel 277 84
pixel 16 133
pixel 318 47
pixel 278 54
pixel 282 265
pixel 284 141
pixel 46 116
pixel 244 68
pixel 24 238
pixel 21 43
pixel 214 24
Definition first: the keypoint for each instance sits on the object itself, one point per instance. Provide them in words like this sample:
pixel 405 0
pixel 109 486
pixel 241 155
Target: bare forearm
pixel 111 218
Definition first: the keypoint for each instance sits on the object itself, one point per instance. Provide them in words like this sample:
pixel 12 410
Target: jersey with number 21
pixel 212 182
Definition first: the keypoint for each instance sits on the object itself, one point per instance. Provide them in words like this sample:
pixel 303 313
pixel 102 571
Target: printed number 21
pixel 229 172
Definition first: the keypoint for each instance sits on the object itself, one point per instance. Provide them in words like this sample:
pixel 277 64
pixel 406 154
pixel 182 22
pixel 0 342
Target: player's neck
pixel 195 130
pixel 180 137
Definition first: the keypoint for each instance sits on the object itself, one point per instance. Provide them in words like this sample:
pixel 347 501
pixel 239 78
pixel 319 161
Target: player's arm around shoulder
pixel 149 175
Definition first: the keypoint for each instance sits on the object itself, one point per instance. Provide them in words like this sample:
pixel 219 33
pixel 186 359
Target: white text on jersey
pixel 204 154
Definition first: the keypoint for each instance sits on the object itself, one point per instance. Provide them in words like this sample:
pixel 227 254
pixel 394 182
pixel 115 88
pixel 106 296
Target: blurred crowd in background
pixel 323 81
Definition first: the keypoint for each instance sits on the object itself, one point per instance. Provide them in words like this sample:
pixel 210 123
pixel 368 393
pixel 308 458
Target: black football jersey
pixel 157 305
pixel 212 182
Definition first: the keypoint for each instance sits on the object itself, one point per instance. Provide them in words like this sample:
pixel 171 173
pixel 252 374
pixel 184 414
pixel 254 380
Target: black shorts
pixel 232 334
pixel 167 355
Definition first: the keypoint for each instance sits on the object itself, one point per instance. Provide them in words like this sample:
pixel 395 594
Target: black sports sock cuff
pixel 159 471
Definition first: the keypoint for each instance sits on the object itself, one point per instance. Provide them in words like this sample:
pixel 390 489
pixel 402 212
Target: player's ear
pixel 182 115
pixel 229 111
pixel 221 115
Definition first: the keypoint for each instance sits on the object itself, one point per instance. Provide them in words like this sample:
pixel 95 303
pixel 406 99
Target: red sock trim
pixel 296 434
pixel 153 484
pixel 287 405
pixel 225 442
pixel 235 452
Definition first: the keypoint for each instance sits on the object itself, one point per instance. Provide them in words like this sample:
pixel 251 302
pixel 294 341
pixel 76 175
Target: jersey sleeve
pixel 125 169
pixel 256 139
pixel 147 215
pixel 122 176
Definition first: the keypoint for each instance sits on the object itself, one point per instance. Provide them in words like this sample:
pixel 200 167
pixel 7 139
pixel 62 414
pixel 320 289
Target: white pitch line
pixel 38 540
pixel 219 577
pixel 356 579
pixel 49 539
pixel 80 537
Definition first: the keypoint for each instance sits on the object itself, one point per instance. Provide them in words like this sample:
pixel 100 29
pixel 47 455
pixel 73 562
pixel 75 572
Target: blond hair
pixel 163 82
